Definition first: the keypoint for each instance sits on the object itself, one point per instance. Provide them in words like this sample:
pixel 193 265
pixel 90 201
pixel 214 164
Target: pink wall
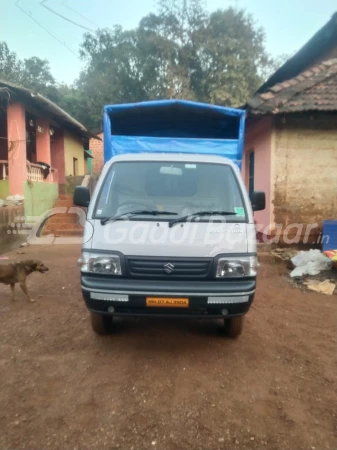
pixel 43 142
pixel 259 138
pixel 17 155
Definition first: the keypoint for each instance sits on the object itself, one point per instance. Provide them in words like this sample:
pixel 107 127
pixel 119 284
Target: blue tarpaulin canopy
pixel 173 126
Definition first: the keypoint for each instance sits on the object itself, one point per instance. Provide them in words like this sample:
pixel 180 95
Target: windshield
pixel 179 188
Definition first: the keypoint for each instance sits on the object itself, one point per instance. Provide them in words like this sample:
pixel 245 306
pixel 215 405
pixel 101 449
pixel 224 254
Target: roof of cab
pixel 172 157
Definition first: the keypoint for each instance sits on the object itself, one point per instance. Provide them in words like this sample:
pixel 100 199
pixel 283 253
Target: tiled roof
pixel 45 107
pixel 320 44
pixel 312 90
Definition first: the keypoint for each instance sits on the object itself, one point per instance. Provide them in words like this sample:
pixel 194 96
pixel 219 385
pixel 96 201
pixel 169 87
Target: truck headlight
pixel 243 266
pixel 100 263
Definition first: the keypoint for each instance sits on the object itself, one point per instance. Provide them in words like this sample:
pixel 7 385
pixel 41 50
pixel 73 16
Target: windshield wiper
pixel 137 212
pixel 200 214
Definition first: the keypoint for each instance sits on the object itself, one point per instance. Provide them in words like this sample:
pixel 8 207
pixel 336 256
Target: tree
pixel 233 57
pixel 33 73
pixel 180 52
pixel 69 99
pixel 10 65
pixel 183 26
pixel 155 60
pixel 112 72
pixel 36 74
pixel 274 65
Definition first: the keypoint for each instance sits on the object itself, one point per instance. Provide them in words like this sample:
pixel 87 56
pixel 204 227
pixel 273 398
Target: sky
pixel 34 30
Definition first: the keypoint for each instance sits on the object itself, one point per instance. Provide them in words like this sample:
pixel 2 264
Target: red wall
pixel 97 153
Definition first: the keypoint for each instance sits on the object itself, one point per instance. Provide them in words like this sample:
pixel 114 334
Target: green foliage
pixel 233 55
pixel 182 51
pixel 274 64
pixel 10 65
pixel 33 73
pixel 36 75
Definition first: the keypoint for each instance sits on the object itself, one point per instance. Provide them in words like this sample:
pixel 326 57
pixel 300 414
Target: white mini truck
pixel 169 235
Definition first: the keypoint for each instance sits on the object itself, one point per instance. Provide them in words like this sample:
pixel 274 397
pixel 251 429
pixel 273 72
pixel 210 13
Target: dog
pixel 11 274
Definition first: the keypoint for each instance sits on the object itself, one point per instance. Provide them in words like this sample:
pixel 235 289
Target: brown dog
pixel 11 274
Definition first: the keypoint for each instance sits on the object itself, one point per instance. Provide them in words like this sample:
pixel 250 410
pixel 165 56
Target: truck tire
pixel 234 326
pixel 100 323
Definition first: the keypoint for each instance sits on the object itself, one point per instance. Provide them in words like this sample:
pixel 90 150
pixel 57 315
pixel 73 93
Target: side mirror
pixel 81 196
pixel 258 200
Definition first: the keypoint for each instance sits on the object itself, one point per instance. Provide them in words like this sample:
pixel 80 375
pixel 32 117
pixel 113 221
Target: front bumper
pixel 206 298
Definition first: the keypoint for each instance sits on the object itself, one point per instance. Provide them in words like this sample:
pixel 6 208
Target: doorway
pixel 75 167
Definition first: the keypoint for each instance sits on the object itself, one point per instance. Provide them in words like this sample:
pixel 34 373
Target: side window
pixel 251 171
pixel 103 203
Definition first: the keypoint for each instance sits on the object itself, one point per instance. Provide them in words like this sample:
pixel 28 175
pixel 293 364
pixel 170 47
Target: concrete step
pixel 63 218
pixel 70 233
pixel 65 197
pixel 63 226
pixel 64 203
pixel 67 231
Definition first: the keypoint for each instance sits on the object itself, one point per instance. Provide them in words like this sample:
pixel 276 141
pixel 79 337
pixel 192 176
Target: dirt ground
pixel 166 385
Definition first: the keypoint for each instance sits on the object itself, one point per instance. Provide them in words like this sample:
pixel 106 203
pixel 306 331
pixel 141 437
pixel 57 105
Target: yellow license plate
pixel 160 302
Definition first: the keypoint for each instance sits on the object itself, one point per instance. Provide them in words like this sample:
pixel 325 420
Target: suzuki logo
pixel 169 268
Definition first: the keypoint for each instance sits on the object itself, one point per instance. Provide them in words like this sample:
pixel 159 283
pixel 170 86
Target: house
pixel 291 142
pixel 76 157
pixel 40 144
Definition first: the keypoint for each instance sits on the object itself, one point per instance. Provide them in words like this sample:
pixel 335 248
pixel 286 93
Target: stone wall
pixel 11 237
pixel 92 183
pixel 305 168
pixel 39 198
pixel 4 189
pixel 71 183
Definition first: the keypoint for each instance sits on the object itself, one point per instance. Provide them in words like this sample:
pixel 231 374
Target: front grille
pixel 172 268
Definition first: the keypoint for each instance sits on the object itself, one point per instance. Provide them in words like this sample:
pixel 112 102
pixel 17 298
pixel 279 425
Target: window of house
pixel 251 171
pixel 75 166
